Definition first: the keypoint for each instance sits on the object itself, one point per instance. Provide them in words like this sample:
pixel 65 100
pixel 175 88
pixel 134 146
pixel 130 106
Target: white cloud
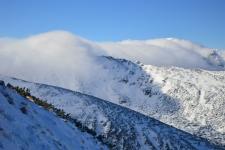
pixel 161 52
pixel 63 59
pixel 56 58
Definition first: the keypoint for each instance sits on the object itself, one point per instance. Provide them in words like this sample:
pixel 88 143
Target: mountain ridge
pixel 169 94
pixel 25 125
pixel 130 126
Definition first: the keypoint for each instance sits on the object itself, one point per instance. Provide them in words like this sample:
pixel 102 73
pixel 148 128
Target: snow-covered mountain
pixel 190 100
pixel 116 126
pixel 24 125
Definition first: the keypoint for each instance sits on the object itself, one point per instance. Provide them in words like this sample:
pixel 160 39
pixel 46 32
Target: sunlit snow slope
pixel 24 125
pixel 191 100
pixel 116 126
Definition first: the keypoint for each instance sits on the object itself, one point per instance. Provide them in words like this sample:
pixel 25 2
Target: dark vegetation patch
pixel 6 95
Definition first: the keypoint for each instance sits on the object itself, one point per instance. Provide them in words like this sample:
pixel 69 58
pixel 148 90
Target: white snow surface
pixel 37 128
pixel 118 126
pixel 190 100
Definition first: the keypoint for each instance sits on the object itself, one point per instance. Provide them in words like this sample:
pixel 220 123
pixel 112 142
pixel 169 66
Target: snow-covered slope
pixel 191 100
pixel 24 125
pixel 200 95
pixel 118 127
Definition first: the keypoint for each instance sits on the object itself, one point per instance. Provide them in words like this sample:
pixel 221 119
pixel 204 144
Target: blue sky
pixel 201 21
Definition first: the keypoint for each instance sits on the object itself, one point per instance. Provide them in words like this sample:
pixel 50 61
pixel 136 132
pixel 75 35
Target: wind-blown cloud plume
pixel 56 58
pixel 164 52
pixel 63 59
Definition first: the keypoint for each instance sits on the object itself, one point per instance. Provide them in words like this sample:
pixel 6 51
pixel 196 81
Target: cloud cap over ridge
pixel 59 57
pixel 163 52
